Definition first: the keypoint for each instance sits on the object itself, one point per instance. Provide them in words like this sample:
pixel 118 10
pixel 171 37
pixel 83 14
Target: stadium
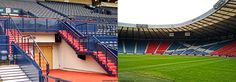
pixel 199 50
pixel 58 40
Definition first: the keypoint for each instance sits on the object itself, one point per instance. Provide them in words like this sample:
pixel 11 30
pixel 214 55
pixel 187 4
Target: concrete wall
pixel 45 38
pixel 55 53
pixel 64 57
pixel 69 60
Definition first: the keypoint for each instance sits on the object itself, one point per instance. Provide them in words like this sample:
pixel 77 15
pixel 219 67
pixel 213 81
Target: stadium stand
pixel 106 33
pixel 177 47
pixel 129 47
pixel 74 9
pixel 29 6
pixel 227 50
pixel 120 47
pixel 141 47
pixel 172 48
pixel 151 48
pixel 162 47
pixel 208 34
pixel 96 19
pixel 30 44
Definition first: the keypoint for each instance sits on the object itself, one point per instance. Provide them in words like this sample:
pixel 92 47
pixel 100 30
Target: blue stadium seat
pixel 141 46
pixel 120 47
pixel 74 9
pixel 129 46
pixel 30 6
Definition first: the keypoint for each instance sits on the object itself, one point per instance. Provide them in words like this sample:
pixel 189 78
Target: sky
pixel 159 12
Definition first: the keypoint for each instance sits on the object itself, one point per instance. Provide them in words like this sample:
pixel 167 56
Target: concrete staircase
pixel 12 73
pixel 100 56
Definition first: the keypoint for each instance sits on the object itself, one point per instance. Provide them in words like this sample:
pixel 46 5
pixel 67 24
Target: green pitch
pixel 164 68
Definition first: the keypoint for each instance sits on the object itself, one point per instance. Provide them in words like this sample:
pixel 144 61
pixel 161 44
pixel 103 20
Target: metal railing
pixel 27 42
pixel 2 30
pixel 26 63
pixel 91 43
pixel 98 46
pixel 90 19
pixel 94 29
pixel 36 24
pixel 76 37
pixel 54 79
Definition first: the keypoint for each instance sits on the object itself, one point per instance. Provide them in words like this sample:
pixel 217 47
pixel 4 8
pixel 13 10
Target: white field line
pixel 130 60
pixel 149 66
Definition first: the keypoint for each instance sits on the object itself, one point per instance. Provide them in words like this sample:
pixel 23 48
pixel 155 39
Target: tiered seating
pixel 110 41
pixel 172 48
pixel 73 42
pixel 232 53
pixel 106 29
pixel 96 29
pixel 79 47
pixel 15 37
pixel 162 47
pixel 96 19
pixel 30 6
pixel 192 46
pixel 141 46
pixel 218 45
pixel 74 9
pixel 228 50
pixel 106 33
pixel 120 47
pixel 152 46
pixel 201 47
pixel 129 46
pixel 182 47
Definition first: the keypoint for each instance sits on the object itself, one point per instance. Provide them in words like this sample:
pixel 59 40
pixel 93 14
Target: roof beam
pixel 158 36
pixel 194 31
pixel 158 30
pixel 144 33
pixel 214 27
pixel 203 32
pixel 212 32
pixel 222 26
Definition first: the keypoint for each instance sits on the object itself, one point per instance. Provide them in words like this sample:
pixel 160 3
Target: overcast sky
pixel 161 11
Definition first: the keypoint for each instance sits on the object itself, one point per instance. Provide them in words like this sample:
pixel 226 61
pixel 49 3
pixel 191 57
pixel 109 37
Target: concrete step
pixel 8 70
pixel 3 66
pixel 16 77
pixel 13 73
pixel 17 80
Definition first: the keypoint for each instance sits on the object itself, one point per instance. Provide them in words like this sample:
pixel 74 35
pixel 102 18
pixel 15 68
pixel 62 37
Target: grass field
pixel 164 68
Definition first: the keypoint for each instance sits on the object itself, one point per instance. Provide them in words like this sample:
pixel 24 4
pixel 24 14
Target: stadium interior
pixel 199 50
pixel 58 40
pixel 211 34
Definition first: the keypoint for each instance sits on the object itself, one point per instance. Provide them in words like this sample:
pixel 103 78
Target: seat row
pixel 178 47
pixel 30 6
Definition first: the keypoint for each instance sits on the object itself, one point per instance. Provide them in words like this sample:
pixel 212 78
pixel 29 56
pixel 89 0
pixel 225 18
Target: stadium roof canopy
pixel 219 21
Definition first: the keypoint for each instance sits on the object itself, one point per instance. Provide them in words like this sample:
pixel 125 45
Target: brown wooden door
pixel 47 50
